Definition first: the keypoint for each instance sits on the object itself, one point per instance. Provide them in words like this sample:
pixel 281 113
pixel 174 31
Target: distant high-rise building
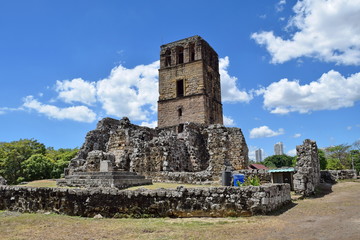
pixel 258 155
pixel 279 149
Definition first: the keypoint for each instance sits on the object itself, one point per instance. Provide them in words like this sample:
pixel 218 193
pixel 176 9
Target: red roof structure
pixel 257 166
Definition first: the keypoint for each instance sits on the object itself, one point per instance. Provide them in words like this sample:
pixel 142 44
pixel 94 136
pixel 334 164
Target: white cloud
pixel 130 92
pixel 297 135
pixel 5 110
pixel 76 90
pixel 229 90
pixel 263 16
pixel 280 5
pixel 228 121
pixel 332 91
pixel 152 124
pixel 348 127
pixel 292 152
pixel 327 30
pixel 76 113
pixel 265 131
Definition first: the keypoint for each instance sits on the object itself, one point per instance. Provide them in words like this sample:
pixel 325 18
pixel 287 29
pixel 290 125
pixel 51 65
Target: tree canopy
pixel 322 159
pixel 342 156
pixel 278 161
pixel 339 154
pixel 27 159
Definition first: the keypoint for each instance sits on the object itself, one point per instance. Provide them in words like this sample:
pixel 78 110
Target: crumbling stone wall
pixel 226 147
pixel 2 181
pixel 144 150
pixel 180 202
pixel 332 176
pixel 201 178
pixel 307 175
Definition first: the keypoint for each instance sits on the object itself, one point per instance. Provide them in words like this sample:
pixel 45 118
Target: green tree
pixel 13 154
pixel 38 166
pixel 334 164
pixel 356 145
pixel 278 161
pixel 61 158
pixel 341 153
pixel 355 158
pixel 322 159
pixel 355 154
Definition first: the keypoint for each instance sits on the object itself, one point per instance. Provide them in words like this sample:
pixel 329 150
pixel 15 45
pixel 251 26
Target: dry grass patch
pixel 51 183
pixel 41 226
pixel 41 183
pixel 170 185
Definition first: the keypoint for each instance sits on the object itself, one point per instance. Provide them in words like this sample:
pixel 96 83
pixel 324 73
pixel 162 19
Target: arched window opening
pixel 192 52
pixel 180 55
pixel 167 58
pixel 179 112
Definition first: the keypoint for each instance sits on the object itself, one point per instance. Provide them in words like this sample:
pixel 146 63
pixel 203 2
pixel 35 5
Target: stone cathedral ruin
pixel 190 144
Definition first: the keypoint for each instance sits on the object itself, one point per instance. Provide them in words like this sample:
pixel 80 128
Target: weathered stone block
pixel 307 175
pixel 106 166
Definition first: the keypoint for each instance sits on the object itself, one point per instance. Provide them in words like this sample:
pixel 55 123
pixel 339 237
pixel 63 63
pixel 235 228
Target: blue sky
pixel 289 69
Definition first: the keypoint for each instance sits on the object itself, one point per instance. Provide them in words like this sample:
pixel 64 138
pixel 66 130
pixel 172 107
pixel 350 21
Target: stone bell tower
pixel 189 84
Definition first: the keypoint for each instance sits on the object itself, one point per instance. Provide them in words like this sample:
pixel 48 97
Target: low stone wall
pixel 331 176
pixel 206 177
pixel 179 202
pixel 262 174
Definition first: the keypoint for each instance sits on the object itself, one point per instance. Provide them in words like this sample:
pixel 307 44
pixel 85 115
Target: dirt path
pixel 335 215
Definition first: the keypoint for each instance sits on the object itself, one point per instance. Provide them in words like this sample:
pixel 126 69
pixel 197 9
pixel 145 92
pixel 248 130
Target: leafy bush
pixel 250 181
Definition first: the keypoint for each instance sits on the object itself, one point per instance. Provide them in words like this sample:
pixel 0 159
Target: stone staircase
pixel 116 179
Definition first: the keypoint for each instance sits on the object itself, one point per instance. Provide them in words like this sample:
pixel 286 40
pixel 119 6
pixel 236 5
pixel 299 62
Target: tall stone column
pixel 307 176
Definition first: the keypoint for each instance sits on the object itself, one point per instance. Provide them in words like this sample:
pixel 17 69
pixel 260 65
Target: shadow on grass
pixel 283 209
pixel 322 190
